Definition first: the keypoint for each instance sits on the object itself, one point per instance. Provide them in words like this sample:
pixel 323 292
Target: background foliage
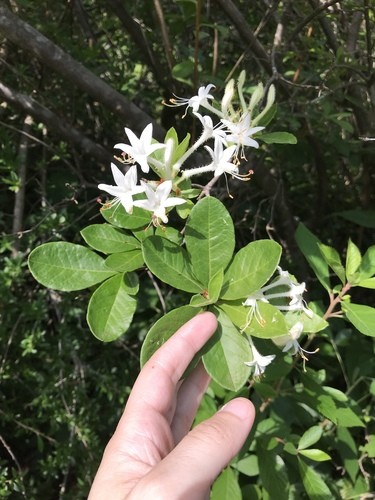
pixel 62 390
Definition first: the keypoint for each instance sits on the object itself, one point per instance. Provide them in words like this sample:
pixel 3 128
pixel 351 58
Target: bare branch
pixel 324 23
pixel 246 33
pixel 139 38
pixel 55 124
pixel 164 34
pixel 28 38
pixel 355 25
pixel 19 201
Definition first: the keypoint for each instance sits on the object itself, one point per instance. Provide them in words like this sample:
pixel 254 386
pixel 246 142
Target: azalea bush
pixel 159 220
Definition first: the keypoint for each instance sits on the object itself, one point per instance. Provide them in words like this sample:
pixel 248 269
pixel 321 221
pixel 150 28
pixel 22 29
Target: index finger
pixel 156 384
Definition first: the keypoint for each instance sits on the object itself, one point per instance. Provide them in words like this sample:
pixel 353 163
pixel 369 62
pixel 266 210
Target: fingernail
pixel 240 407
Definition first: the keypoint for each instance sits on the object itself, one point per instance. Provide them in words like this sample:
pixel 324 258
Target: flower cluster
pixel 286 295
pixel 233 132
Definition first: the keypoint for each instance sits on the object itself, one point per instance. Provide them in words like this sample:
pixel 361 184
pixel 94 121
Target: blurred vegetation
pixel 62 391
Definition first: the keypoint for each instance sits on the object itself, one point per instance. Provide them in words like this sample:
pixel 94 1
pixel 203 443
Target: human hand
pixel 152 454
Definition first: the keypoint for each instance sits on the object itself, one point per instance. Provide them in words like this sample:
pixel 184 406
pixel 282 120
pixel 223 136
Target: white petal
pixel 146 136
pixel 112 190
pixel 118 176
pixel 171 202
pixel 163 190
pixel 150 193
pixel 134 141
pixel 121 145
pixel 144 204
pixel 142 160
pixel 131 178
pixel 126 201
pixel 251 143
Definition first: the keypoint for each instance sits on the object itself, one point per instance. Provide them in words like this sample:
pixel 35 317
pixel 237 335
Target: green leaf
pixel 369 283
pixel 264 119
pixel 314 484
pixel 365 218
pixel 369 447
pixel 107 239
pixel 353 261
pixel 290 448
pixel 117 216
pixel 67 267
pixel 348 452
pixel 211 295
pixel 362 317
pixel 164 328
pixel 315 454
pixel 226 486
pixel 170 233
pixel 310 437
pixel 214 285
pixel 309 246
pixel 125 261
pixel 248 466
pixel 131 283
pixel 327 407
pixel 251 268
pixel 110 310
pixel 273 324
pixel 183 70
pixel 347 418
pixel 310 325
pixel 272 472
pixel 209 238
pixel 278 138
pixel 184 209
pixel 367 267
pixel 332 257
pixel 225 361
pixel 169 262
pixel 142 233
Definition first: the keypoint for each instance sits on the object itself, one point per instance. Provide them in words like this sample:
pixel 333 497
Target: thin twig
pixel 158 291
pixel 31 429
pixel 313 15
pixel 8 449
pixel 335 301
pixel 13 331
pixel 164 34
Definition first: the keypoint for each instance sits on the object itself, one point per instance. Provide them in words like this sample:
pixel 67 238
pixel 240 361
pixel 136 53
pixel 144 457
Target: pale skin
pixel 153 453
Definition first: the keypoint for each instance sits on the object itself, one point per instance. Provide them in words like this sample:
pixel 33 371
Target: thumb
pixel 191 468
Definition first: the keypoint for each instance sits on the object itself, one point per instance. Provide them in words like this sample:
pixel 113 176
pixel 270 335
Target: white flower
pixel 259 362
pixel 201 99
pixel 252 303
pixel 291 344
pixel 293 293
pixel 240 133
pixel 221 159
pixel 158 200
pixel 126 186
pixel 211 130
pixel 290 341
pixel 140 149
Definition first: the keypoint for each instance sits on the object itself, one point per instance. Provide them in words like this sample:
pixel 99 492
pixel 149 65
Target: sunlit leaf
pixel 362 317
pixel 108 239
pixel 250 269
pixel 67 267
pixel 225 361
pixel 313 482
pixel 309 246
pixel 111 308
pixel 169 262
pixel 164 328
pixel 209 237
